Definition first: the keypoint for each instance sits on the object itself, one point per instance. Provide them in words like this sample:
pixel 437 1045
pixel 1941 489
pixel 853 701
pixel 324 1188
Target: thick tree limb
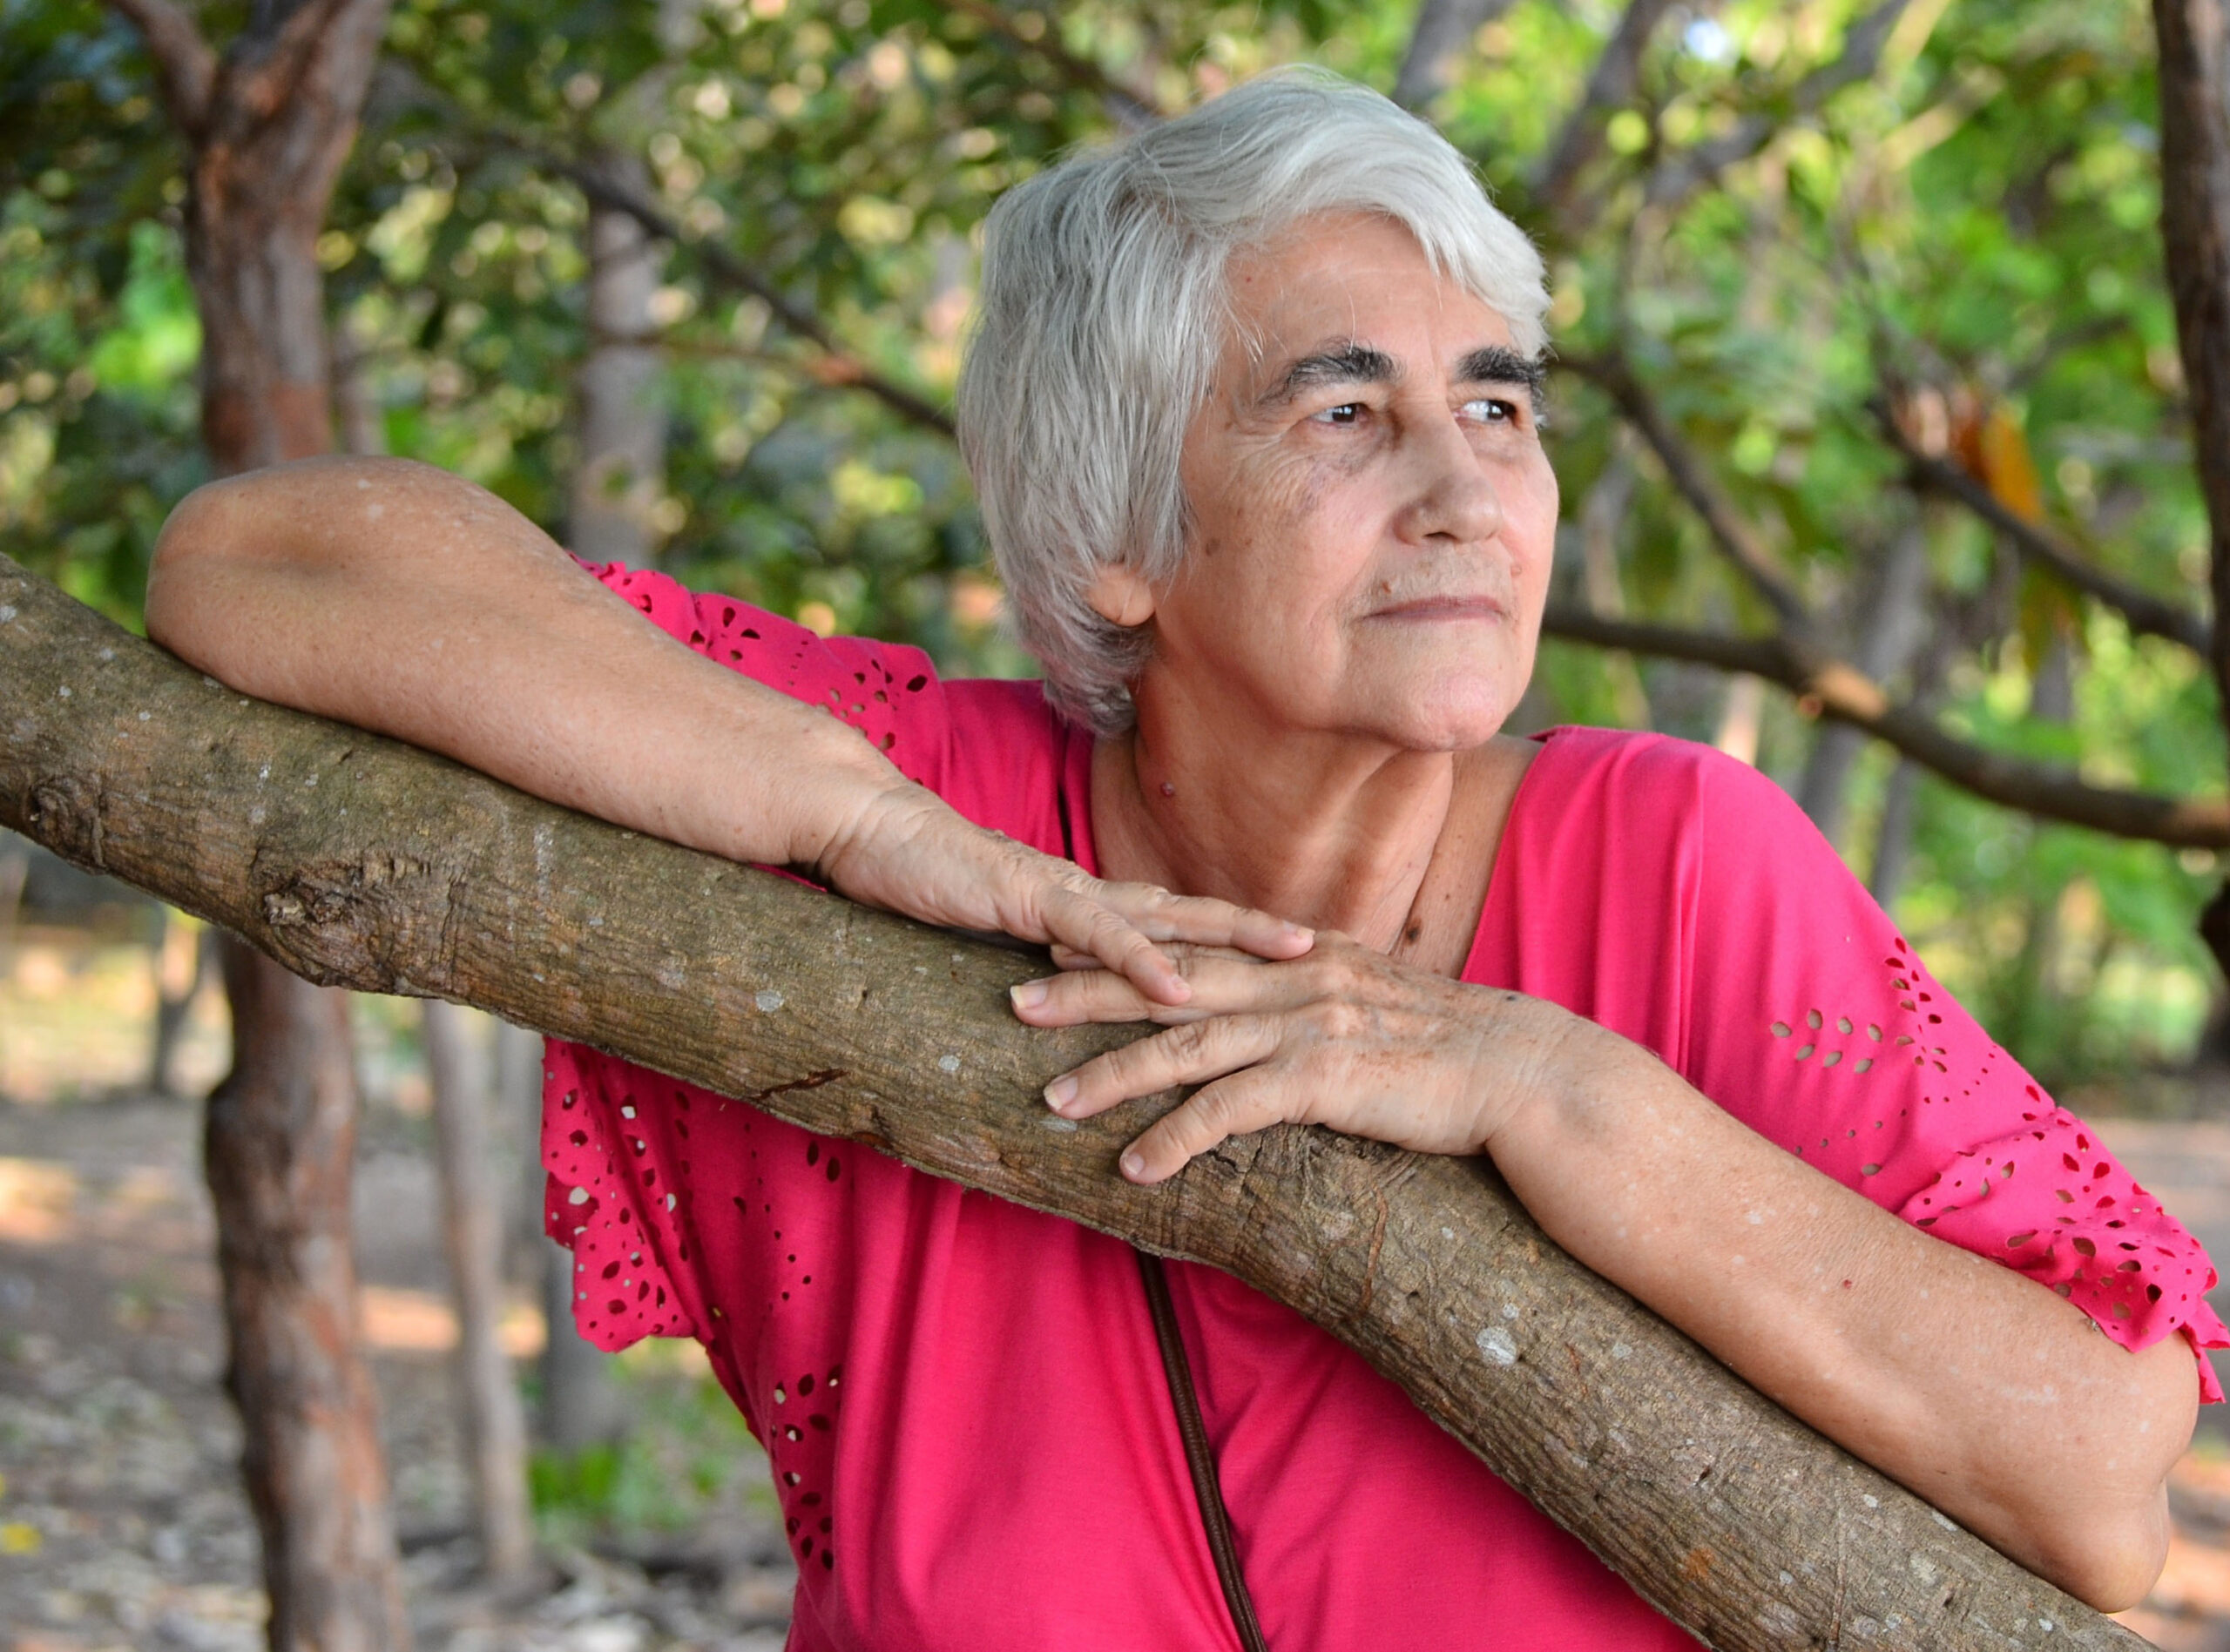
pixel 184 65
pixel 2147 614
pixel 1841 690
pixel 359 861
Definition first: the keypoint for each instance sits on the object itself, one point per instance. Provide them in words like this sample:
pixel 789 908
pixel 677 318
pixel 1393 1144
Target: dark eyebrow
pixel 1342 364
pixel 1499 364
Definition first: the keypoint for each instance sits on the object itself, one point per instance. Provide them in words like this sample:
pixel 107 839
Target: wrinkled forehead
pixel 1355 290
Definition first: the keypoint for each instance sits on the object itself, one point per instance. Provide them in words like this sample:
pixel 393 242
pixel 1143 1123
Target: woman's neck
pixel 1336 831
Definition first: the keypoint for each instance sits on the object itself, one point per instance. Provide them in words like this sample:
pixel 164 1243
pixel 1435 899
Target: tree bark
pixel 2194 42
pixel 267 127
pixel 623 426
pixel 278 1151
pixel 472 1233
pixel 356 860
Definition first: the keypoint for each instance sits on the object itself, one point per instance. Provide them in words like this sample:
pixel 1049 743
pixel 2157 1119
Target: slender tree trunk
pixel 278 1151
pixel 267 127
pixel 472 1232
pixel 183 957
pixel 623 426
pixel 2194 42
pixel 1889 633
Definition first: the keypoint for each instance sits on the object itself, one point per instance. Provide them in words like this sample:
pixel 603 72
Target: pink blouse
pixel 970 1435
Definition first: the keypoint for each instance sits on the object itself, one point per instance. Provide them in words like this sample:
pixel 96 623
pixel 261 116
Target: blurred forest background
pixel 1786 220
pixel 1863 343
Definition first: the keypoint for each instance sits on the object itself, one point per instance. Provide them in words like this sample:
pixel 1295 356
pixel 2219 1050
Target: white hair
pixel 1104 309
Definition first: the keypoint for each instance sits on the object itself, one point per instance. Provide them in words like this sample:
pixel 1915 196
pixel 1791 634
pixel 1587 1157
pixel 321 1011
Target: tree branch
pixel 1681 175
pixel 1442 33
pixel 184 65
pixel 356 860
pixel 1609 86
pixel 2146 613
pixel 1737 540
pixel 1133 108
pixel 1839 690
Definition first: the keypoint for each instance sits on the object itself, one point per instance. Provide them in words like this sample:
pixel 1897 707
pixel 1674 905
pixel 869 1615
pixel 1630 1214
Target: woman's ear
pixel 1120 594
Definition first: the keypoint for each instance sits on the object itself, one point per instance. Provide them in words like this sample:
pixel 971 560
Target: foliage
pixel 1966 234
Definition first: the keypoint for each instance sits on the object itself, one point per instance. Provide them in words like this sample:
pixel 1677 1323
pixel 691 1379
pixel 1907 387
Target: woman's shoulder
pixel 1635 780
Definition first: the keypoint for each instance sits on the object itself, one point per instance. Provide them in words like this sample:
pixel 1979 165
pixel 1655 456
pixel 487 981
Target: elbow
pixel 2112 1566
pixel 195 537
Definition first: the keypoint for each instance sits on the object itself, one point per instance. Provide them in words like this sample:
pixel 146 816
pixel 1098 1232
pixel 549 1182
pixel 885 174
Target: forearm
pixel 1985 1393
pixel 401 599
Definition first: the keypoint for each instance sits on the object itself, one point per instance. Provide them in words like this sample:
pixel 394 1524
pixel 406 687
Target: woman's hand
pixel 1345 1037
pixel 905 850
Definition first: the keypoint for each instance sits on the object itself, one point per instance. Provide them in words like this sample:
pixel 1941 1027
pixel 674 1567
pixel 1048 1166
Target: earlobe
pixel 1121 596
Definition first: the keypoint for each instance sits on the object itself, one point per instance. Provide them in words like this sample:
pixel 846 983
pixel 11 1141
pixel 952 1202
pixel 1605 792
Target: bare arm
pixel 405 600
pixel 1983 1392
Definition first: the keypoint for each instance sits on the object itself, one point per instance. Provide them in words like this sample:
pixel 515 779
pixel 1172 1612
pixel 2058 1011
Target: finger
pixel 1065 959
pixel 1203 919
pixel 1074 918
pixel 1223 982
pixel 1245 1102
pixel 1192 1054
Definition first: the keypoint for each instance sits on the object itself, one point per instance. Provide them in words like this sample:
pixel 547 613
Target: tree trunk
pixel 268 128
pixel 356 860
pixel 279 1151
pixel 622 471
pixel 2194 41
pixel 1890 632
pixel 472 1232
pixel 181 963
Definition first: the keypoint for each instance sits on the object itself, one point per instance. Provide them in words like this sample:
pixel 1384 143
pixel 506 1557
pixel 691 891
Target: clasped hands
pixel 1342 1036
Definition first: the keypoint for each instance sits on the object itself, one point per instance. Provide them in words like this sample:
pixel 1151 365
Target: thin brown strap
pixel 1198 1456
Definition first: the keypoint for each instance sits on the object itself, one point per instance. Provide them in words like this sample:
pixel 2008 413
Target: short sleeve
pixel 616 1138
pixel 1815 1023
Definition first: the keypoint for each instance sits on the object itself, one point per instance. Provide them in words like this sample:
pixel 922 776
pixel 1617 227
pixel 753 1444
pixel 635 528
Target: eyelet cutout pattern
pixel 2047 1200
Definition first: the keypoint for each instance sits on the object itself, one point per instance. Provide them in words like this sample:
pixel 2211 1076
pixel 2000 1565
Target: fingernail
pixel 1060 1093
pixel 1030 994
pixel 1134 1166
pixel 1297 933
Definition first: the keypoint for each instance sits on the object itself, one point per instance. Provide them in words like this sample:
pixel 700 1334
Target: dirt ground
pixel 121 1521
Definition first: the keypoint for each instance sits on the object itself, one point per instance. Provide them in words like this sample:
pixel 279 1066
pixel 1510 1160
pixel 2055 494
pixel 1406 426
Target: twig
pixel 1736 539
pixel 1609 87
pixel 2146 613
pixel 1132 107
pixel 1835 688
pixel 1681 175
pixel 186 66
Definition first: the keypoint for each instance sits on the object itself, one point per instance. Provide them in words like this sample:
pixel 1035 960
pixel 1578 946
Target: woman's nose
pixel 1452 495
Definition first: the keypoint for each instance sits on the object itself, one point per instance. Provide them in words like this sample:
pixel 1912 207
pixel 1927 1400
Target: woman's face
pixel 1372 513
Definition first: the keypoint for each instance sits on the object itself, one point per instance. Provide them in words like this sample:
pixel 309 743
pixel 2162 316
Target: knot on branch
pixel 66 815
pixel 336 922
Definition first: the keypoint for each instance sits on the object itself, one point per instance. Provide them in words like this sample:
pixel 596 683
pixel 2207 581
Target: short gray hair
pixel 1103 310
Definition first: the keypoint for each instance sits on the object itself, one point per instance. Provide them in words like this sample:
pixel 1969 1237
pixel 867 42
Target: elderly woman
pixel 1252 410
